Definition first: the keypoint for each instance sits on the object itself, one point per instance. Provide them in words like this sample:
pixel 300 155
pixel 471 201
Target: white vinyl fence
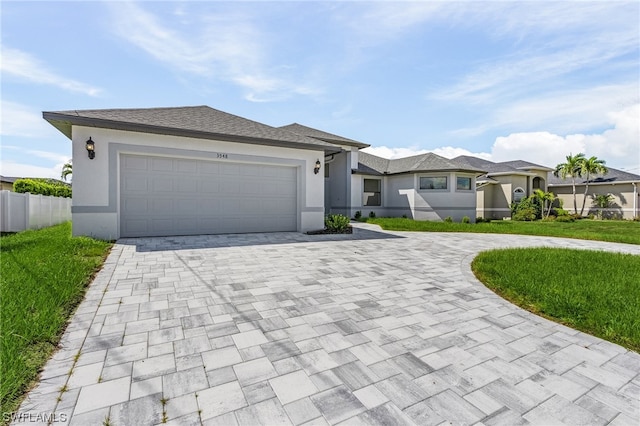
pixel 25 211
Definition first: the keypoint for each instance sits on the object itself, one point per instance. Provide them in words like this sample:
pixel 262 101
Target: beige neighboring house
pixel 623 186
pixel 6 183
pixel 504 183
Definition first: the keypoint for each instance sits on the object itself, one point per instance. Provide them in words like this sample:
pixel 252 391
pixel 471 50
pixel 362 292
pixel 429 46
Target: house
pixel 189 170
pixel 504 183
pixel 6 183
pixel 623 186
pixel 422 187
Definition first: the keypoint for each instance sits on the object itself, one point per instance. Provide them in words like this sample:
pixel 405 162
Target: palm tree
pixel 603 201
pixel 544 197
pixel 67 169
pixel 571 168
pixel 588 167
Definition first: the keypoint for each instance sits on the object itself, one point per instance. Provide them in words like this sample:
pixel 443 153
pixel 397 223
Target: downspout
pixel 635 200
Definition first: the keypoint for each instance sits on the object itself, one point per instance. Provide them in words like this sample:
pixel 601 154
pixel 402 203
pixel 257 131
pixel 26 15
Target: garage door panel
pixel 165 196
pixel 161 164
pixel 209 168
pixel 186 185
pixel 186 166
pixel 134 163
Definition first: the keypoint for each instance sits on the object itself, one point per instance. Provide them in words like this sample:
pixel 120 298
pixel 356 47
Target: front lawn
pixel 618 231
pixel 595 292
pixel 44 277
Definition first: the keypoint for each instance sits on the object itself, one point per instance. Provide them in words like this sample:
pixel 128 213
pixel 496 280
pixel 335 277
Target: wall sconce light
pixel 91 148
pixel 316 169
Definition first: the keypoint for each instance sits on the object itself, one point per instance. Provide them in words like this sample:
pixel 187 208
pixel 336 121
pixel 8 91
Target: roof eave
pixel 64 122
pixel 596 183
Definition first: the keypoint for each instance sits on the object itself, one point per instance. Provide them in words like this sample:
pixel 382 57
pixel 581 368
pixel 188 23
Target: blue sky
pixel 501 80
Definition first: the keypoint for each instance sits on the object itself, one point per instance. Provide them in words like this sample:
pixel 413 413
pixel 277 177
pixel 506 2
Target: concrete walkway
pixel 371 328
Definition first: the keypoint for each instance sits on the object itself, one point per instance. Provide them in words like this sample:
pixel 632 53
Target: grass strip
pixel 617 231
pixel 592 291
pixel 44 276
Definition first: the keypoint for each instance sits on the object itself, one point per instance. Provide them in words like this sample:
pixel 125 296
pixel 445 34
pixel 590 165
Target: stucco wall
pixel 622 205
pixel 336 184
pixel 401 196
pixel 96 186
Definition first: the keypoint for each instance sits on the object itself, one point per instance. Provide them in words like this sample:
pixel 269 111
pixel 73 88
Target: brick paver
pixel 370 328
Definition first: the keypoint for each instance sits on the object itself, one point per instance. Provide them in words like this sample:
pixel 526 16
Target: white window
pixel 463 183
pixel 371 195
pixel 433 182
pixel 518 195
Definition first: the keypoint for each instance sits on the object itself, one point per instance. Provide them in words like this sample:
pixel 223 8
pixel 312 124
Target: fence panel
pixel 26 211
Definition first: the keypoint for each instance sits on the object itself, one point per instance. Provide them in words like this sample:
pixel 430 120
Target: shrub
pixel 482 220
pixel 372 214
pixel 526 210
pixel 358 215
pixel 336 222
pixel 42 187
pixel 565 218
pixel 404 216
pixel 448 219
pixel 466 219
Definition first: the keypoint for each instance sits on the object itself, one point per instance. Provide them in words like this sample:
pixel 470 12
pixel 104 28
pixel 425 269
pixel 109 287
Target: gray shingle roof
pixel 193 121
pixel 521 164
pixel 614 175
pixel 323 136
pixel 8 179
pixel 371 164
pixel 486 165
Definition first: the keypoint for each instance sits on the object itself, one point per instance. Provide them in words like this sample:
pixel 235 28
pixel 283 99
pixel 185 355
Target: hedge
pixel 42 187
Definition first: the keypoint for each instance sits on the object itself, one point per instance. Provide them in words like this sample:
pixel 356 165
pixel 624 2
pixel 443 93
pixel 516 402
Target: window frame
pixel 464 189
pixel 446 183
pixel 365 198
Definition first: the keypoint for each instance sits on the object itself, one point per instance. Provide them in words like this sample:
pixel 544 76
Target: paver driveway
pixel 373 328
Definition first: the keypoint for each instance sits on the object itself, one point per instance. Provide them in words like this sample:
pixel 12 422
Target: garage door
pixel 167 196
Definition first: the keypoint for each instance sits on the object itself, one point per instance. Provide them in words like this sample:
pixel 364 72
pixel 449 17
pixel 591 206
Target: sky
pixel 496 79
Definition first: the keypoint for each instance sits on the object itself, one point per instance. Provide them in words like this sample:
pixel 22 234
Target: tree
pixel 544 197
pixel 602 201
pixel 67 169
pixel 589 167
pixel 571 168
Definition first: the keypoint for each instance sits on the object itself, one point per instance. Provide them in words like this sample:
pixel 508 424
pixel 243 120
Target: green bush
pixel 565 218
pixel 466 219
pixel 448 219
pixel 372 214
pixel 527 209
pixel 358 215
pixel 42 187
pixel 482 220
pixel 336 222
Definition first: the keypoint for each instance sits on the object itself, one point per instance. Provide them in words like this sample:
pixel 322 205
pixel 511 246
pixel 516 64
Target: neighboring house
pixel 6 183
pixel 190 170
pixel 623 186
pixel 504 183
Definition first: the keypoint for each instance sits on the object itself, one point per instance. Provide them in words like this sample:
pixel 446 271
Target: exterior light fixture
pixel 91 148
pixel 316 169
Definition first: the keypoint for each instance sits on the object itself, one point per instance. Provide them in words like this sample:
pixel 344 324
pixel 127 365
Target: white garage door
pixel 167 196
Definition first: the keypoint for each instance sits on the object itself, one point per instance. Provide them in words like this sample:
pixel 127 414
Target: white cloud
pixel 22 65
pixel 619 145
pixel 20 120
pixel 228 47
pixel 10 168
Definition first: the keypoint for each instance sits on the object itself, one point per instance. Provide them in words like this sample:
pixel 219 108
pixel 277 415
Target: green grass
pixel 44 277
pixel 617 231
pixel 595 292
